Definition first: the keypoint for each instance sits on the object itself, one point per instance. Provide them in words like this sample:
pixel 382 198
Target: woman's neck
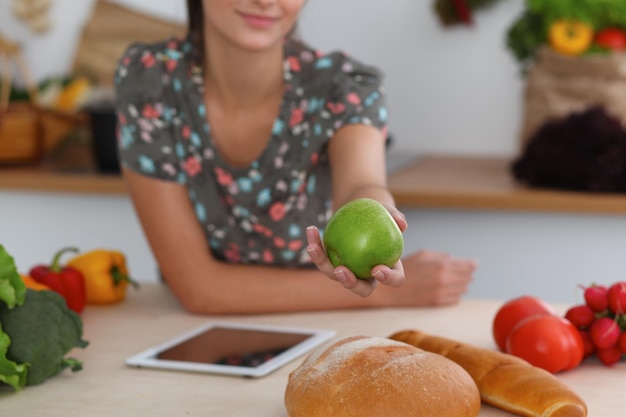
pixel 242 79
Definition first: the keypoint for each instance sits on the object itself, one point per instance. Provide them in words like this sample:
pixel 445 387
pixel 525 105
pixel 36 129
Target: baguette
pixel 504 381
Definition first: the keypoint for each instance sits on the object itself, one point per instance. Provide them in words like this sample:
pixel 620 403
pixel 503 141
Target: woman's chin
pixel 259 43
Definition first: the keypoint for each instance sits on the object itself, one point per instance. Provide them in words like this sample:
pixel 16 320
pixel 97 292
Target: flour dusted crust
pixel 363 376
pixel 504 381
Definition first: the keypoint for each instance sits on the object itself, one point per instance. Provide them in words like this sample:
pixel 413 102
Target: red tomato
pixel 512 312
pixel 611 38
pixel 588 347
pixel 549 342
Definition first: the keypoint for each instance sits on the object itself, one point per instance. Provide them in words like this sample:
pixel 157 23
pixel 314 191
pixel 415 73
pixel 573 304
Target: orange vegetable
pixel 32 284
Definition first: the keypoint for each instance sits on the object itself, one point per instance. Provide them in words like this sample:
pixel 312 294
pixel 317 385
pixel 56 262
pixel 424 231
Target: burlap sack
pixel 558 85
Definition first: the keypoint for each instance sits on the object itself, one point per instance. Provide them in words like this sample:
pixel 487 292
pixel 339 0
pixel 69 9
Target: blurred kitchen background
pixel 452 90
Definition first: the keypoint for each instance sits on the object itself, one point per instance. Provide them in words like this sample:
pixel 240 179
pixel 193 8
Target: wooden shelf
pixel 42 181
pixel 71 168
pixel 486 183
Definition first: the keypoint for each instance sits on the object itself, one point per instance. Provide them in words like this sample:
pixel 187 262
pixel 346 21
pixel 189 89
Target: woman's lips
pixel 258 21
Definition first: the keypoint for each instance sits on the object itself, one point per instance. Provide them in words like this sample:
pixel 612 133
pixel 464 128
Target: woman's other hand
pixel 435 279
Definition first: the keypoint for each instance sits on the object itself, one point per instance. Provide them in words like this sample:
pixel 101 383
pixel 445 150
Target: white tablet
pixel 232 349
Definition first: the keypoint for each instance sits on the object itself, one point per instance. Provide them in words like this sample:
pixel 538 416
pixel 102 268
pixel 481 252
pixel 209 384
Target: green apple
pixel 362 234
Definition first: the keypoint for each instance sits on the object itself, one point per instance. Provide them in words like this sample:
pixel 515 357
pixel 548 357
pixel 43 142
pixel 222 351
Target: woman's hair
pixel 195 24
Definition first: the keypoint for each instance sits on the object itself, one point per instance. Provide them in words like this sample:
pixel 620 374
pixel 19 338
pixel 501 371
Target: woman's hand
pixel 427 278
pixel 434 278
pixel 393 277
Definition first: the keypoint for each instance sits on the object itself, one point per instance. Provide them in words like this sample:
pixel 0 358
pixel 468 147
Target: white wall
pixel 33 226
pixel 450 90
pixel 546 255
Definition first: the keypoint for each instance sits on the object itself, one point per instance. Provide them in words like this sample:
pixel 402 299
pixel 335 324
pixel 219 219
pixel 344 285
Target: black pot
pixel 103 126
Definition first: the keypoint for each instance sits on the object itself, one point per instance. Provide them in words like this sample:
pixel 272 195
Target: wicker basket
pixel 27 131
pixel 21 134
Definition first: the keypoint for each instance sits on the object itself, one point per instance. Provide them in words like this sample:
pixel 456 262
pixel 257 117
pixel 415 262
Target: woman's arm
pixel 357 159
pixel 205 285
pixel 357 156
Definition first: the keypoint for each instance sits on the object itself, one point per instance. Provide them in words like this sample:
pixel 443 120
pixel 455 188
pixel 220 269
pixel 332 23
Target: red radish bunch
pixel 601 321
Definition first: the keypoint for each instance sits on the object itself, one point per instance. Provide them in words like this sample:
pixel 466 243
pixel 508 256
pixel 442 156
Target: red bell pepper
pixel 65 280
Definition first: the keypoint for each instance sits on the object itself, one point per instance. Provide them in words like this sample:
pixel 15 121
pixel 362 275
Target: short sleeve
pixel 144 135
pixel 358 95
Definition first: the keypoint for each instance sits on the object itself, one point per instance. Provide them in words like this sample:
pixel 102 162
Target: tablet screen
pixel 232 348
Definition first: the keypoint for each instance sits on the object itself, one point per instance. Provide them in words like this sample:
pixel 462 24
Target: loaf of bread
pixel 504 381
pixel 363 376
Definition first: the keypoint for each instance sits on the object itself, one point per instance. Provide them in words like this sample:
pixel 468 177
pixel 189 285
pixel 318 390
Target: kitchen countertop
pixel 106 387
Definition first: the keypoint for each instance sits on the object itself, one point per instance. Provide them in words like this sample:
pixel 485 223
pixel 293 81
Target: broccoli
pixel 37 330
pixel 11 373
pixel 42 331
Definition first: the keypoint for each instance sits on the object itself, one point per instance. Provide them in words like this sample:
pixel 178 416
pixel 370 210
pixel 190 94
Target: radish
pixel 596 297
pixel 617 297
pixel 622 343
pixel 604 333
pixel 581 316
pixel 609 356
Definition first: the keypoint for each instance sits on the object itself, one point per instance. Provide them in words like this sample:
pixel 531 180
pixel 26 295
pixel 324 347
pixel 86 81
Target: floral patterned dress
pixel 256 214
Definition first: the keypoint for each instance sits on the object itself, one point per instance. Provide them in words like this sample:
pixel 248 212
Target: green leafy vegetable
pixel 43 331
pixel 12 288
pixel 525 36
pixel 598 13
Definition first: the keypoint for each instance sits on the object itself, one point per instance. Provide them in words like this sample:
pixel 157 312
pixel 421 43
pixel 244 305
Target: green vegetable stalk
pixel 37 331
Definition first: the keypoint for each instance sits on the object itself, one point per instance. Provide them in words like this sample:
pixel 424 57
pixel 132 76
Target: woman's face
pixel 251 24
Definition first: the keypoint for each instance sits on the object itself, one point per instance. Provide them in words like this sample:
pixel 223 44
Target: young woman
pixel 237 143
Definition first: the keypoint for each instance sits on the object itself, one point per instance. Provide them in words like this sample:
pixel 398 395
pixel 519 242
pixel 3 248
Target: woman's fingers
pixel 394 277
pixel 315 249
pixel 399 217
pixel 362 287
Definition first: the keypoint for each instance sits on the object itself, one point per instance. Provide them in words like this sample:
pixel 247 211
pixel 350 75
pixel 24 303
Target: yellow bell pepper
pixel 570 37
pixel 106 275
